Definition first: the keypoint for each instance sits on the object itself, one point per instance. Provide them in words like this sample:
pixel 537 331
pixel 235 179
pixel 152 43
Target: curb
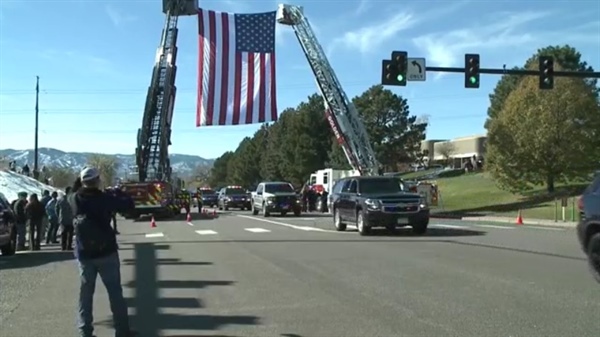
pixel 445 216
pixel 525 223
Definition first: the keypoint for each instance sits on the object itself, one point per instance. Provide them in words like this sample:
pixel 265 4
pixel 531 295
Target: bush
pixel 451 173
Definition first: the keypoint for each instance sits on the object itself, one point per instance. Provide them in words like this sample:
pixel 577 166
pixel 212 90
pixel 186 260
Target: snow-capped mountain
pixel 181 163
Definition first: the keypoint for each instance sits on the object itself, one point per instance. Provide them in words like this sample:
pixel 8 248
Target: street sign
pixel 416 70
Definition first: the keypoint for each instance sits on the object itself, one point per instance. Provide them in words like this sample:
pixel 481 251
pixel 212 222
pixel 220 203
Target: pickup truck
pixel 275 197
pixel 377 202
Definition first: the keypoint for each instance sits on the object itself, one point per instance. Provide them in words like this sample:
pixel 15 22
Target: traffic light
pixel 400 61
pixel 472 71
pixel 389 73
pixel 546 72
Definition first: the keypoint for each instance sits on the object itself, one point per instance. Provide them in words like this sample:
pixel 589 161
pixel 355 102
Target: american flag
pixel 236 80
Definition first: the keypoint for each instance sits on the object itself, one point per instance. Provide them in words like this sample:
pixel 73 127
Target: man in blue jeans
pixel 96 251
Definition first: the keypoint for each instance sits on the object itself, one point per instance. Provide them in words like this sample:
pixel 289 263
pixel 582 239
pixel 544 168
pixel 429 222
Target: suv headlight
pixel 270 200
pixel 373 203
pixel 423 203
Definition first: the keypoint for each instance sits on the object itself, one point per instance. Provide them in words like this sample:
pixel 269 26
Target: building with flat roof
pixel 460 150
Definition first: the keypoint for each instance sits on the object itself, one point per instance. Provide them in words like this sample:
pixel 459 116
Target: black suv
pixel 8 230
pixel 588 228
pixel 377 202
pixel 233 197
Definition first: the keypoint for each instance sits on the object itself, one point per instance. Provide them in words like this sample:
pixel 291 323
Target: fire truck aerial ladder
pixel 154 137
pixel 341 113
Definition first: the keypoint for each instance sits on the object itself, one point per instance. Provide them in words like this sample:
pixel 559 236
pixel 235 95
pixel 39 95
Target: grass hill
pixel 476 194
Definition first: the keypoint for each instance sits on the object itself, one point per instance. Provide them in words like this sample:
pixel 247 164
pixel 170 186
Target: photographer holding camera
pixel 96 249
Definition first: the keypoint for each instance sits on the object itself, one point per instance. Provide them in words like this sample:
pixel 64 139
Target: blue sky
pixel 95 58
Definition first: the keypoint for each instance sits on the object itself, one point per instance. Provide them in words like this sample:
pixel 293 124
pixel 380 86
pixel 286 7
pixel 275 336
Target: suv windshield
pixel 281 188
pixel 207 192
pixel 232 191
pixel 371 186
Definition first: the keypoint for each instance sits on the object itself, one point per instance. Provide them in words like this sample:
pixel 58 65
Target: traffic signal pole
pixel 472 71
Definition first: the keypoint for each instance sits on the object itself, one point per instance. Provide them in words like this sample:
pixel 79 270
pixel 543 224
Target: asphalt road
pixel 239 275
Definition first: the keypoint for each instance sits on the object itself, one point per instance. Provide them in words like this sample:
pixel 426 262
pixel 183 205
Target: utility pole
pixel 37 117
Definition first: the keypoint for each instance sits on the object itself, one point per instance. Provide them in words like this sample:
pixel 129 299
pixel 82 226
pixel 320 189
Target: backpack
pixel 93 239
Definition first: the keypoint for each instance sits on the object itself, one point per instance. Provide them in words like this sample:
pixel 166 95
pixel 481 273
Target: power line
pixel 129 91
pixel 121 111
pixel 143 90
pixel 221 130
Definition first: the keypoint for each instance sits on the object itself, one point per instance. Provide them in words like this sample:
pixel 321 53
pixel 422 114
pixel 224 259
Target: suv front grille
pixel 285 199
pixel 401 205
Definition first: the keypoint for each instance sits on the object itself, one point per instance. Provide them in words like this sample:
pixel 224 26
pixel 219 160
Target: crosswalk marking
pixel 257 230
pixel 155 235
pixel 206 232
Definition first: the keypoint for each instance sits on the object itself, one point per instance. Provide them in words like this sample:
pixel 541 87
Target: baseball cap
pixel 89 173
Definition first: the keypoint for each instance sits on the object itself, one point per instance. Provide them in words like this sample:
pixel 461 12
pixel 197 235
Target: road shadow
pixel 131 246
pixel 168 262
pixel 149 319
pixel 530 200
pixel 519 250
pixel 302 216
pixel 431 232
pixel 179 217
pixel 34 259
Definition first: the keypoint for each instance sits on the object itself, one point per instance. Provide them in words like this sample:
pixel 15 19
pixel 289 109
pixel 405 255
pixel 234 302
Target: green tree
pixel 310 140
pixel 244 167
pixel 218 173
pixel 542 137
pixel 566 56
pixel 395 135
pixel 336 159
pixel 274 158
pixel 107 165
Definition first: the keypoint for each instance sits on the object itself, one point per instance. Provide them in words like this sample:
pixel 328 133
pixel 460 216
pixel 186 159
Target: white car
pixel 276 197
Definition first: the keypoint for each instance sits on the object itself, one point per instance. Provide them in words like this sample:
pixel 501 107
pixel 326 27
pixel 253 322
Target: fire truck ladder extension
pixel 152 145
pixel 359 152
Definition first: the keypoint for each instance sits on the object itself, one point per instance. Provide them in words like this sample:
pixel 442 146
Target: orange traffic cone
pixel 189 218
pixel 152 223
pixel 519 219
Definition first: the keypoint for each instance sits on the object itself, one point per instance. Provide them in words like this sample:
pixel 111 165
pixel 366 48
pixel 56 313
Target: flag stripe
pixel 200 102
pixel 237 89
pixel 225 69
pixel 236 82
pixel 250 89
pixel 273 91
pixel 212 64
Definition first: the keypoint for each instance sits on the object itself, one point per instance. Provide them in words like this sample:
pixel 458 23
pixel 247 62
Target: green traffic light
pixel 400 78
pixel 472 79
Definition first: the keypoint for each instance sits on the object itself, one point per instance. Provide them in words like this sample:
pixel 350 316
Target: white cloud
pixel 363 6
pixel 369 38
pixel 505 31
pixel 444 49
pixel 118 18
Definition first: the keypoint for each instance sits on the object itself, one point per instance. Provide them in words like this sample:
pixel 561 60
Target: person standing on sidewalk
pixel 65 219
pixel 21 220
pixel 97 251
pixel 35 213
pixel 45 223
pixel 51 237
